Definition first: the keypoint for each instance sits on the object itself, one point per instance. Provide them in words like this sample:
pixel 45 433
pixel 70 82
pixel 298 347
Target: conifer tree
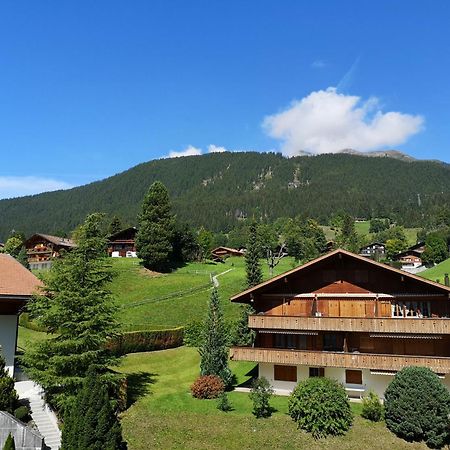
pixel 154 238
pixel 8 395
pixel 9 443
pixel 22 257
pixel 244 335
pixel 115 226
pixel 214 351
pixel 90 422
pixel 77 308
pixel 252 265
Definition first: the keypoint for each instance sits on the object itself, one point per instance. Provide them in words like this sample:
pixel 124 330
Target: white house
pixel 17 285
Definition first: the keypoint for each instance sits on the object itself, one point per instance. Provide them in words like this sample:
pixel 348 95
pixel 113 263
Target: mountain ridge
pixel 217 190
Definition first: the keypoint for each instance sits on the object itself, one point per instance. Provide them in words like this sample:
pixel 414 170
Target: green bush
pixel 8 395
pixel 224 403
pixel 193 334
pixel 320 406
pixel 22 413
pixel 26 322
pixel 146 341
pixel 260 395
pixel 372 408
pixel 417 407
pixel 9 443
pixel 207 386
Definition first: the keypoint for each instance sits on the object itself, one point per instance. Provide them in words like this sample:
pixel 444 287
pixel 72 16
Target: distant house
pixel 220 253
pixel 411 259
pixel 43 248
pixel 375 250
pixel 122 244
pixel 17 285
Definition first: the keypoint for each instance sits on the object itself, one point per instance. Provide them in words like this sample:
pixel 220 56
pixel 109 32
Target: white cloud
pixel 28 185
pixel 318 64
pixel 216 149
pixel 326 122
pixel 190 150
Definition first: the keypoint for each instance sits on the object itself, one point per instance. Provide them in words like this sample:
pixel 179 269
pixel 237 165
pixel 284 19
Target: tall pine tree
pixel 77 308
pixel 214 350
pixel 154 239
pixel 90 422
pixel 252 265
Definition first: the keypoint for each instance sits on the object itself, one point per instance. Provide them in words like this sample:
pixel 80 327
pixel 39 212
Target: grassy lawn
pixel 437 272
pixel 26 337
pixel 149 300
pixel 164 415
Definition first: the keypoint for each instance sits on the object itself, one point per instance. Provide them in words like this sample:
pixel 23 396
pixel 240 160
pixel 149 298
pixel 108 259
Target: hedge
pixel 146 341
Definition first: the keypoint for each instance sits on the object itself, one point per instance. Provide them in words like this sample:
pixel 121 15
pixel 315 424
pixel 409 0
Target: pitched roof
pixel 16 280
pixel 338 251
pixel 57 240
pixel 118 233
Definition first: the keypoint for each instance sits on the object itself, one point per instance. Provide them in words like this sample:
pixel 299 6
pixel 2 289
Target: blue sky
pixel 88 89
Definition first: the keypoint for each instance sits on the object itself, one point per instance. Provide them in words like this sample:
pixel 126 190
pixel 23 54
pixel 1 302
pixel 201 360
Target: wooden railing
pixel 359 324
pixel 336 359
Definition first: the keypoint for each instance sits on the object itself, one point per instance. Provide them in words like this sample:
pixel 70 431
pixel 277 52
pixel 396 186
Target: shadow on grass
pixel 139 385
pixel 253 374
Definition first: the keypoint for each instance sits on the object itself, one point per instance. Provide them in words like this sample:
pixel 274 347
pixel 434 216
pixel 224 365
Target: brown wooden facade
pixel 346 311
pixel 122 242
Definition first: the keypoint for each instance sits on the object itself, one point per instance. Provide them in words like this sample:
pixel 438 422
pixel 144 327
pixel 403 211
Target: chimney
pixel 446 280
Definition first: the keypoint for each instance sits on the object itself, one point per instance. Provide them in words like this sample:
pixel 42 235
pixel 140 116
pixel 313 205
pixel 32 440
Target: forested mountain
pixel 216 190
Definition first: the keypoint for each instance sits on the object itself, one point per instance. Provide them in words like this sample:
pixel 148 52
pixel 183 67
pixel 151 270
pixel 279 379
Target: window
pixel 279 341
pixel 291 341
pixel 316 372
pixel 285 373
pixel 302 342
pixel 353 376
pixel 332 343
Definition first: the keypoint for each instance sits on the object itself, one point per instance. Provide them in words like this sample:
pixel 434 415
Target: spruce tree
pixel 154 239
pixel 90 422
pixel 77 308
pixel 115 226
pixel 252 265
pixel 244 335
pixel 9 443
pixel 22 257
pixel 8 395
pixel 214 350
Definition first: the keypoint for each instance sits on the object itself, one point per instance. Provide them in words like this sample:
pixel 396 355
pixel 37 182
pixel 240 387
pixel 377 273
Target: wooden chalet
pixel 122 244
pixel 220 253
pixel 42 248
pixel 411 259
pixel 375 250
pixel 350 318
pixel 17 285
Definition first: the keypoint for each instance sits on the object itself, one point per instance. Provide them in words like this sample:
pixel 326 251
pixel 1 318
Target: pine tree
pixel 8 395
pixel 9 443
pixel 77 308
pixel 22 257
pixel 244 335
pixel 115 226
pixel 154 238
pixel 252 264
pixel 90 422
pixel 214 351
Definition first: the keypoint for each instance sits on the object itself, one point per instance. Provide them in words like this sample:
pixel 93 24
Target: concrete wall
pixel 8 329
pixel 376 383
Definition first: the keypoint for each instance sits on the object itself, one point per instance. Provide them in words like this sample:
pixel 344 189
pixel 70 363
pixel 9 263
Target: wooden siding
pixel 367 325
pixel 335 359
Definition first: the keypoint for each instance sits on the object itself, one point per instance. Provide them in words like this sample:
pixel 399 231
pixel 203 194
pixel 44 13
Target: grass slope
pixel 437 272
pixel 148 300
pixel 164 415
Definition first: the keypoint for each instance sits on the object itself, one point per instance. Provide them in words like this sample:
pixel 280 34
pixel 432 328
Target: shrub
pixel 260 395
pixel 372 408
pixel 320 406
pixel 145 341
pixel 8 395
pixel 193 334
pixel 417 407
pixel 9 443
pixel 22 413
pixel 224 404
pixel 208 386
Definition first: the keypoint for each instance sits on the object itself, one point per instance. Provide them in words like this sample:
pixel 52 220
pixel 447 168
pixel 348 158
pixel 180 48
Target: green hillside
pixel 216 190
pixel 438 272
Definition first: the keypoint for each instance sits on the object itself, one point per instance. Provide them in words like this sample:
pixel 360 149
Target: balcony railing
pixel 337 359
pixel 359 324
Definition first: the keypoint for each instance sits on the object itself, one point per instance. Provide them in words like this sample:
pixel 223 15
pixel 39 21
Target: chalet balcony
pixel 359 324
pixel 339 359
